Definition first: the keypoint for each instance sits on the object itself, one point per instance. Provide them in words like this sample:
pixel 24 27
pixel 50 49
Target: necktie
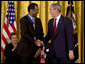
pixel 34 27
pixel 33 22
pixel 54 26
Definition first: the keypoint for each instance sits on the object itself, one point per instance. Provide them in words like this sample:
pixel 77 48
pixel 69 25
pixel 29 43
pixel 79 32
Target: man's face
pixel 35 11
pixel 53 11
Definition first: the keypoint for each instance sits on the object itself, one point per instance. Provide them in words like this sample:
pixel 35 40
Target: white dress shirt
pixel 57 19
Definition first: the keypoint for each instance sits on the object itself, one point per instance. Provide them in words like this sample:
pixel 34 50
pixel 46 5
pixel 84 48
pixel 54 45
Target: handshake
pixel 39 43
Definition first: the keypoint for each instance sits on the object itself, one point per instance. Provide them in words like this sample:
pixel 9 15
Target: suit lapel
pixel 53 27
pixel 31 24
pixel 58 26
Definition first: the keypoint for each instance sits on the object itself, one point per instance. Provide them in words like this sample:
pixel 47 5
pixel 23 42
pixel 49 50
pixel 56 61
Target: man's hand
pixel 71 55
pixel 42 51
pixel 37 53
pixel 38 43
pixel 43 54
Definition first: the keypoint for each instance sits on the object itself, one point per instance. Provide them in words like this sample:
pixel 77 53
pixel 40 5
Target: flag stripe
pixel 2 50
pixel 5 33
pixel 13 28
pixel 15 25
pixel 10 28
pixel 4 39
pixel 6 29
pixel 3 45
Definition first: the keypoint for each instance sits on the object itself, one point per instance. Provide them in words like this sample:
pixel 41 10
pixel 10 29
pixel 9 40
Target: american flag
pixel 9 25
pixel 70 14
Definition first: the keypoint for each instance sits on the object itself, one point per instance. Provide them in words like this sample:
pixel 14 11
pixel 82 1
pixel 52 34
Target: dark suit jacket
pixel 11 56
pixel 63 41
pixel 27 46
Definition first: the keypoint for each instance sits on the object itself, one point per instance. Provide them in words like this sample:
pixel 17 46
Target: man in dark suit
pixel 60 32
pixel 31 31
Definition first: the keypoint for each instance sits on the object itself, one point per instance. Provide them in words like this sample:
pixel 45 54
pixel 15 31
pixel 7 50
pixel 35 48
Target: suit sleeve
pixel 41 31
pixel 24 31
pixel 47 37
pixel 8 51
pixel 69 33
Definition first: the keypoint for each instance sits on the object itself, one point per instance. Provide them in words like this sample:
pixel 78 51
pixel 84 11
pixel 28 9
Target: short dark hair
pixel 32 6
pixel 11 34
pixel 57 6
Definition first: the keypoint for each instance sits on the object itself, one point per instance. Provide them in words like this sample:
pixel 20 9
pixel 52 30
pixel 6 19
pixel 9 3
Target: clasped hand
pixel 38 42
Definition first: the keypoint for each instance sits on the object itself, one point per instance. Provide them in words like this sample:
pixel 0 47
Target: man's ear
pixel 31 10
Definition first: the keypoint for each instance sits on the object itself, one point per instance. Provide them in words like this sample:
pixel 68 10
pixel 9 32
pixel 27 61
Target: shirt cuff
pixel 42 43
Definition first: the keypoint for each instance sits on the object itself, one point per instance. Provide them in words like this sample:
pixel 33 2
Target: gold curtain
pixel 44 15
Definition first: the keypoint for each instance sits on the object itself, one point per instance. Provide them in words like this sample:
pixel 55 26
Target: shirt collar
pixel 58 17
pixel 31 16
